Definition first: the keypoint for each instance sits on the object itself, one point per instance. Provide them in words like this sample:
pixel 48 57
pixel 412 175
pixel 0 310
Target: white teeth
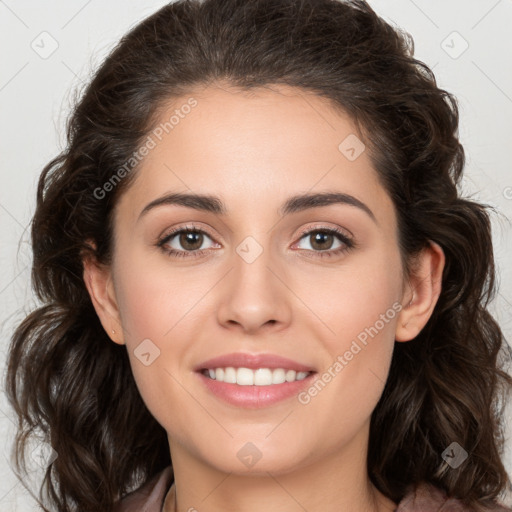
pixel 230 375
pixel 260 377
pixel 244 377
pixel 290 375
pixel 263 377
pixel 278 376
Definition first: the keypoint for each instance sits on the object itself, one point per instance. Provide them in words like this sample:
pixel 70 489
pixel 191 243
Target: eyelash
pixel 349 243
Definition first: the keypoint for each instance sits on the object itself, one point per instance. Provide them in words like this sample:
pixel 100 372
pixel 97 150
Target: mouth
pixel 258 377
pixel 254 380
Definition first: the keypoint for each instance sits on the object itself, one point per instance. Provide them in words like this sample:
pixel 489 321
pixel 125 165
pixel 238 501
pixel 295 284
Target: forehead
pixel 255 148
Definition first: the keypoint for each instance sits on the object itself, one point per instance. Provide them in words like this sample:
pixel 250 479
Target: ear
pixel 421 292
pixel 98 280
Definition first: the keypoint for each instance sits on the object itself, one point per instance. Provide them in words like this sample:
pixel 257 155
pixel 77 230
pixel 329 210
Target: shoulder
pixel 423 498
pixel 426 497
pixel 149 497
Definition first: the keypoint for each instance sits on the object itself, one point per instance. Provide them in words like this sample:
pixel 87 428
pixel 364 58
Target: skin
pixel 254 150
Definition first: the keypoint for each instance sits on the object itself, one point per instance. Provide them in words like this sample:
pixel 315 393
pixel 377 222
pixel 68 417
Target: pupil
pixel 189 239
pixel 319 237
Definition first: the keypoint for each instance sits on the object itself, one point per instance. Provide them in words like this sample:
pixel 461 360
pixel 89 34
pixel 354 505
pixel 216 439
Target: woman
pixel 324 342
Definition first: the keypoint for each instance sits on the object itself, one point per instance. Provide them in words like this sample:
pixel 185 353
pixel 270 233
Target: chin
pixel 248 459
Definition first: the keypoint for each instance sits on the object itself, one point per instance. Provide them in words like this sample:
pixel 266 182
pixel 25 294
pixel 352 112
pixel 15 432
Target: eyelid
pixel 322 227
pixel 166 233
pixel 343 234
pixel 302 232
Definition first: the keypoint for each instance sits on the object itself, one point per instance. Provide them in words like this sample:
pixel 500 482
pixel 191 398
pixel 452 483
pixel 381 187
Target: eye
pixel 190 239
pixel 188 242
pixel 323 239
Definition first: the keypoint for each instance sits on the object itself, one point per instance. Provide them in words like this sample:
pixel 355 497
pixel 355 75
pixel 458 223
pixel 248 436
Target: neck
pixel 332 483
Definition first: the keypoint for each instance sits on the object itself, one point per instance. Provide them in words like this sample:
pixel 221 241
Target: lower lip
pixel 255 397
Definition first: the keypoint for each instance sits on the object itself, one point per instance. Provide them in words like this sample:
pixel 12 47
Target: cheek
pixel 360 301
pixel 153 307
pixel 360 308
pixel 152 299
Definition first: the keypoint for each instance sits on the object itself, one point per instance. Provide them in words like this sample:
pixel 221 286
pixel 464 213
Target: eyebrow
pixel 297 203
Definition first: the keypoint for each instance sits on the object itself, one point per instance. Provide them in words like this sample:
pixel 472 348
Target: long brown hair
pixel 68 381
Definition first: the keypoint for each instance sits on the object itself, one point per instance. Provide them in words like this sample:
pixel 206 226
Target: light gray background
pixel 36 89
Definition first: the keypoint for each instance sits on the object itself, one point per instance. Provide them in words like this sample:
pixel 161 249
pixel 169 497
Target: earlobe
pixel 422 292
pixel 99 284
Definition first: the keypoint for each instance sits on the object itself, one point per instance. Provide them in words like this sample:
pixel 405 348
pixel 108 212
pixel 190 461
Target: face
pixel 309 294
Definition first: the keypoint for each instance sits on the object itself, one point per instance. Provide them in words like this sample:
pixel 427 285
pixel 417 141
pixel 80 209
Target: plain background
pixel 49 49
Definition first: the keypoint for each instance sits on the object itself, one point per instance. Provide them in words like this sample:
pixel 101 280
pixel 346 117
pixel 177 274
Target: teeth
pixel 259 377
pixel 290 375
pixel 262 377
pixel 230 375
pixel 278 376
pixel 244 377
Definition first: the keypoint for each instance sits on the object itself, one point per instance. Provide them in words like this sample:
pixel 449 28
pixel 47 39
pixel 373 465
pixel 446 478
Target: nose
pixel 254 293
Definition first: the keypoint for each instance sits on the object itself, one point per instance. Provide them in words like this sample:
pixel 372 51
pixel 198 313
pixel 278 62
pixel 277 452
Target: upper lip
pixel 253 361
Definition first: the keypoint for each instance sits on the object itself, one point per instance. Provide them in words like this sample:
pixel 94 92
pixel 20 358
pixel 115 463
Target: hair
pixel 66 379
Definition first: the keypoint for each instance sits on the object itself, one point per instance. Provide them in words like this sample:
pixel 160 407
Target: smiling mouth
pixel 257 377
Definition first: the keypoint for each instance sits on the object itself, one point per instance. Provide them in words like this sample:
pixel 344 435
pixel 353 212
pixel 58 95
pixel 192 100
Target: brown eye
pixel 321 240
pixel 184 242
pixel 190 240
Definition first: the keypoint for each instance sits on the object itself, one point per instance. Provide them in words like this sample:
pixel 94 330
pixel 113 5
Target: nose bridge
pixel 254 296
pixel 252 261
pixel 252 241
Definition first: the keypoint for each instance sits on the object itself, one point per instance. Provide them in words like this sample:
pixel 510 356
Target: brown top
pixel 151 497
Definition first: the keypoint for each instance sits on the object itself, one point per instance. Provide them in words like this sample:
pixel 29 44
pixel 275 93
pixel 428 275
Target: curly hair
pixel 66 379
